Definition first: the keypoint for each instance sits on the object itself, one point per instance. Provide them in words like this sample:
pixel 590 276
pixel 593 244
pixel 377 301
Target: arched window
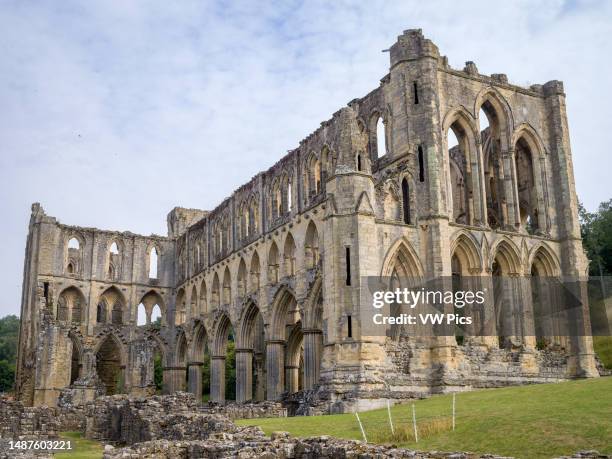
pixel 74 256
pixel 312 246
pixel 273 264
pixel 359 162
pixel 117 313
pixel 289 255
pixel 101 312
pixel 141 318
pixel 156 314
pixel 242 281
pixel 381 142
pixel 405 201
pixel 153 263
pixel 255 272
pixel 289 197
pixel 227 287
pixel 113 261
pixel 459 154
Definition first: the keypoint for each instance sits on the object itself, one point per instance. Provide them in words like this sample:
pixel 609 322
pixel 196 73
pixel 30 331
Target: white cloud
pixel 114 112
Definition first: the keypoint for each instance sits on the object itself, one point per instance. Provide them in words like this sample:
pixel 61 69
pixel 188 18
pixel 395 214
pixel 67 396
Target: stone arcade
pixel 277 266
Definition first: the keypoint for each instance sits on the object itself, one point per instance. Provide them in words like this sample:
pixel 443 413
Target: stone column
pixel 195 379
pixel 313 347
pixel 292 378
pixel 244 375
pixel 260 388
pixel 174 379
pixel 275 359
pixel 514 182
pixel 510 193
pixel 217 378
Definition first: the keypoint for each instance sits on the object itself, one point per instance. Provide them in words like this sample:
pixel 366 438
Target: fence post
pixel 416 435
pixel 390 420
pixel 361 427
pixel 453 410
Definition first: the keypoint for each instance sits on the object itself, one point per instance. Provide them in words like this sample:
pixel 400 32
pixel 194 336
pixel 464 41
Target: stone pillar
pixel 244 375
pixel 260 387
pixel 275 359
pixel 217 378
pixel 174 379
pixel 313 347
pixel 292 378
pixel 195 379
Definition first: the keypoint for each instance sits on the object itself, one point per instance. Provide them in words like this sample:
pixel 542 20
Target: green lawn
pixel 82 448
pixel 603 348
pixel 536 421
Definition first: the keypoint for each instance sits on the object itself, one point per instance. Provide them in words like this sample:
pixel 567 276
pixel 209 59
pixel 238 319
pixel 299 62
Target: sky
pixel 113 112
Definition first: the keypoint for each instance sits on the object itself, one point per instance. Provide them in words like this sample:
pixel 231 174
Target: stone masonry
pixel 277 266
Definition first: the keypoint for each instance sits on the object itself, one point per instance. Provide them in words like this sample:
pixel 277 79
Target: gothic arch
pixel 531 136
pixel 313 312
pixel 199 343
pixel 312 253
pixel 491 98
pixel 71 305
pixel 115 305
pixel 180 308
pixel 506 253
pixel 246 326
pixel 544 259
pixel 219 330
pixel 467 250
pixel 283 300
pixel 403 256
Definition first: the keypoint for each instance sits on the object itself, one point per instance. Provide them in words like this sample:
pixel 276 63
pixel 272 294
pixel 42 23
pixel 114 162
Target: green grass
pixel 82 448
pixel 603 348
pixel 536 421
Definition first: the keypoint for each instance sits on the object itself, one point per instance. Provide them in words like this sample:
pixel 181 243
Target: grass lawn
pixel 603 348
pixel 82 448
pixel 536 421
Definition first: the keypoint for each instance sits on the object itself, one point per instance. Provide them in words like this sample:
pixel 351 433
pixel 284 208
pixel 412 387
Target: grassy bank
pixel 537 421
pixel 82 448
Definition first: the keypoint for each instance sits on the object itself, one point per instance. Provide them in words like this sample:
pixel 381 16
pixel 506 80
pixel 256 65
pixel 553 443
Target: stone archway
pixel 109 365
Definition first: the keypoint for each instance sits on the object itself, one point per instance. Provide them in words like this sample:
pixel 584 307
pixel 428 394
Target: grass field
pixel 81 447
pixel 603 348
pixel 537 421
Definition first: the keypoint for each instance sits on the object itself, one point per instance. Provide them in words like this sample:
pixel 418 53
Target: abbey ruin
pixel 277 267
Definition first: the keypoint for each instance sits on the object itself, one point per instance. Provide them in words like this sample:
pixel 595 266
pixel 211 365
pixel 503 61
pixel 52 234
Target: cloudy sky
pixel 115 111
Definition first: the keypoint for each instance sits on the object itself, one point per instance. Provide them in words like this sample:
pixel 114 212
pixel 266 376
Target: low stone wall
pixel 121 419
pixel 246 410
pixel 279 445
pixel 25 423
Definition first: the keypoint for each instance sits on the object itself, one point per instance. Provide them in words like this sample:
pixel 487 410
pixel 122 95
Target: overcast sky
pixel 113 112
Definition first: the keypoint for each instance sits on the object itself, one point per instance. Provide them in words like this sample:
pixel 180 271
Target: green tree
pixel 9 336
pixel 596 231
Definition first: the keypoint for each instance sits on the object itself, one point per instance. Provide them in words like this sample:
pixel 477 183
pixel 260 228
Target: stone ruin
pixel 177 427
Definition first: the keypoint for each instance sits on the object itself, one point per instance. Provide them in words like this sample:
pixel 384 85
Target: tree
pixel 596 231
pixel 9 336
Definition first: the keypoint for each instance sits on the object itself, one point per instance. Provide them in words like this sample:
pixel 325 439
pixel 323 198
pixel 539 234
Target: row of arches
pixel 207 297
pixel 524 302
pixel 113 263
pixel 252 361
pixel 496 173
pixel 111 307
pixel 244 361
